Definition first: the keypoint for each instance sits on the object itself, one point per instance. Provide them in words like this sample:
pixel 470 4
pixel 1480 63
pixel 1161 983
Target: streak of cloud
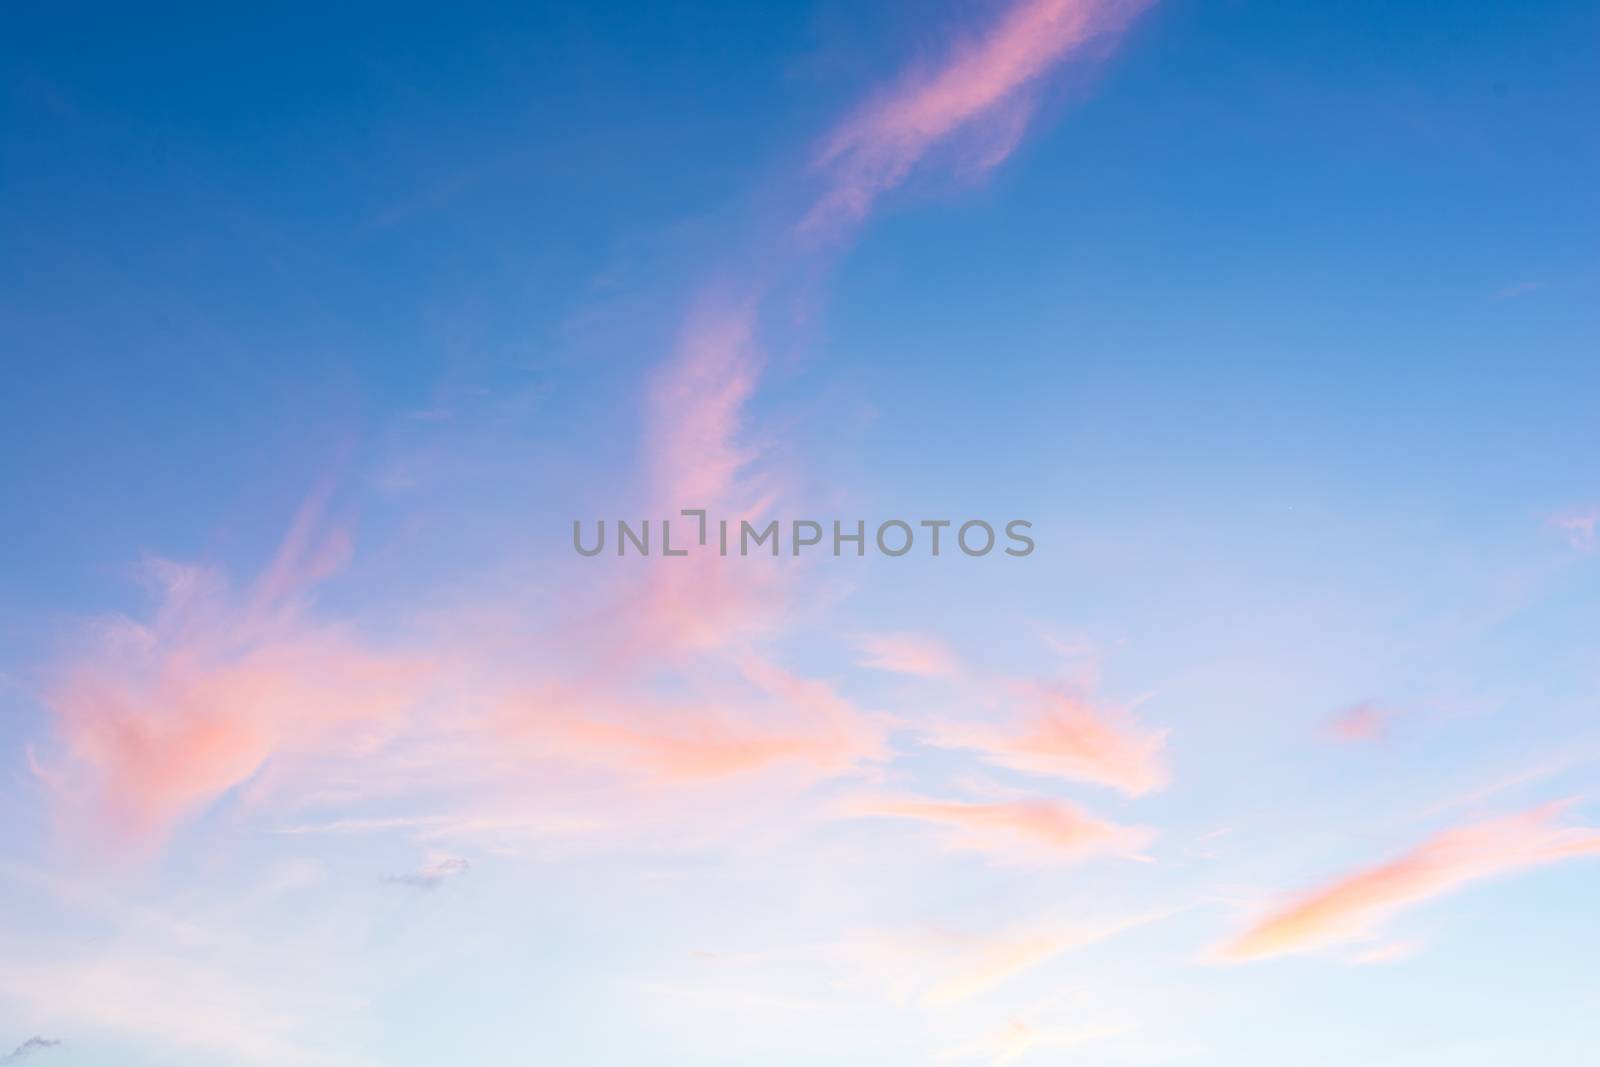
pixel 1356 906
pixel 1063 735
pixel 982 91
pixel 1014 829
pixel 939 967
pixel 156 719
pixel 909 654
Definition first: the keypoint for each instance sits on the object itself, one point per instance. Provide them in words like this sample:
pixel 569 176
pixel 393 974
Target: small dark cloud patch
pixel 431 875
pixel 28 1048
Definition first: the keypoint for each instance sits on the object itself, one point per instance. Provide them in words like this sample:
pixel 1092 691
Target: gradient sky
pixel 320 747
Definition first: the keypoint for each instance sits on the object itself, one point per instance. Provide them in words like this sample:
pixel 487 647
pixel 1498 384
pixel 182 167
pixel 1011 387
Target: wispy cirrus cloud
pixel 934 967
pixel 1356 906
pixel 697 407
pixel 981 92
pixel 158 718
pixel 913 654
pixel 759 717
pixel 1064 735
pixel 1021 829
pixel 700 447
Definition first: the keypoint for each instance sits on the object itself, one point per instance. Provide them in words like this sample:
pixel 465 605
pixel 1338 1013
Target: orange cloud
pixel 1065 736
pixel 1353 907
pixel 1040 827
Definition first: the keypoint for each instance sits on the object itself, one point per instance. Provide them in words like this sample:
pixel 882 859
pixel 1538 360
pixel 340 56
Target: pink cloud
pixel 311 551
pixel 1354 907
pixel 728 719
pixel 791 720
pixel 1012 828
pixel 1360 723
pixel 698 454
pixel 699 604
pixel 1065 736
pixel 980 91
pixel 699 447
pixel 158 719
pixel 909 654
pixel 696 409
pixel 700 747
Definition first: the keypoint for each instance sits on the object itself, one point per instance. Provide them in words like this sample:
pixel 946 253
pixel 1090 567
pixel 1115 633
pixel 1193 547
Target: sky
pixel 325 326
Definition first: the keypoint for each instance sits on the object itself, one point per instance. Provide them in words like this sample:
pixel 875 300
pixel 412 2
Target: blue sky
pixel 1277 321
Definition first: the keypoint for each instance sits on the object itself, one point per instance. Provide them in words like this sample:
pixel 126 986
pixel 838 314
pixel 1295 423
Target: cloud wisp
pixel 982 93
pixel 922 657
pixel 1060 734
pixel 1021 829
pixel 157 719
pixel 935 967
pixel 1355 907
